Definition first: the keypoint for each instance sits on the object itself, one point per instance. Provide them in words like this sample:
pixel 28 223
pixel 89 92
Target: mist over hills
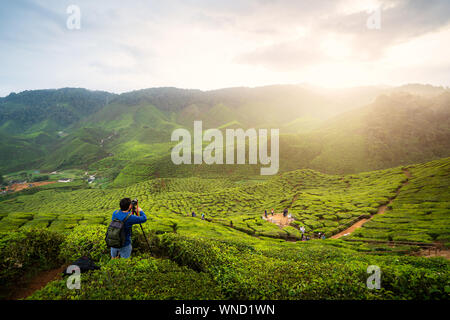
pixel 395 129
pixel 330 130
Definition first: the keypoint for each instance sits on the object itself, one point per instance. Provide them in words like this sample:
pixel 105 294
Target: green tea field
pixel 234 253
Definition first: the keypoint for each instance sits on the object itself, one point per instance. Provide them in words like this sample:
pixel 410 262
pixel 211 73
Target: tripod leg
pixel 146 240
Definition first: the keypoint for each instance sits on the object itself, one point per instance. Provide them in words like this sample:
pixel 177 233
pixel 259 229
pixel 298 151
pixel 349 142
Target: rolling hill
pixel 333 131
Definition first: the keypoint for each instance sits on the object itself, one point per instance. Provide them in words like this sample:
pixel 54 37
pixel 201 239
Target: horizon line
pixel 305 85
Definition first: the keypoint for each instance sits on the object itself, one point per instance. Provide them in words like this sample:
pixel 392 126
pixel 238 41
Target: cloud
pixel 400 21
pixel 284 56
pixel 210 44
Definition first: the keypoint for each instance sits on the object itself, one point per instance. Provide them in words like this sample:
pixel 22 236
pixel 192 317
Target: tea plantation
pixel 234 253
pixel 421 210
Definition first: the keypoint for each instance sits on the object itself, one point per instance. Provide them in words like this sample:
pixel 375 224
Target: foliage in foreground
pixel 141 277
pixel 202 268
pixel 85 241
pixel 27 252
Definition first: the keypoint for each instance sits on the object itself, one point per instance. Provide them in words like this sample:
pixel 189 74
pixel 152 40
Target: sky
pixel 206 44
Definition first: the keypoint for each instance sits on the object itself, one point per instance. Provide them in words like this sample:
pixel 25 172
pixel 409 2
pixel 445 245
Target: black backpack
pixel 85 265
pixel 115 235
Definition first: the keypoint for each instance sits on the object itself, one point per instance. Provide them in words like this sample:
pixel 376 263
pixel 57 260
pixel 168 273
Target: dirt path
pixel 22 291
pixel 278 219
pixel 381 210
pixel 359 223
pixel 21 186
pixel 348 231
pixel 433 252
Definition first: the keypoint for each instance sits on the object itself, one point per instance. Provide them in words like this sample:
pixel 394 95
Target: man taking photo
pixel 125 215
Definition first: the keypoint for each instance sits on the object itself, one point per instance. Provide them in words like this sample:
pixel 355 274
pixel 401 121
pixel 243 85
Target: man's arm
pixel 137 219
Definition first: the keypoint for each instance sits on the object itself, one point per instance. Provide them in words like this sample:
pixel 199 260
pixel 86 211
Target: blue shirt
pixel 119 214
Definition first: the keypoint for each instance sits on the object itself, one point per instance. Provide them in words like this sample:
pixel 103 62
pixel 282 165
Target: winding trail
pixel 37 282
pixel 381 210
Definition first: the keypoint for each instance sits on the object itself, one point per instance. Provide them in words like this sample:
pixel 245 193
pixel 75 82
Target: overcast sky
pixel 128 45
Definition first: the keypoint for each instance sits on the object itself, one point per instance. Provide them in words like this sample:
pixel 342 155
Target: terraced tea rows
pixel 234 253
pixel 319 202
pixel 421 212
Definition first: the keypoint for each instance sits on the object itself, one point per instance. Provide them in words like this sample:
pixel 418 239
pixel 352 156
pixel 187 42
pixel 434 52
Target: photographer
pixel 124 214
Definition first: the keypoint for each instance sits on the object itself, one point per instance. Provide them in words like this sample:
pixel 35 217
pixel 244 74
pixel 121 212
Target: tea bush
pixel 85 241
pixel 27 252
pixel 136 278
pixel 420 212
pixel 306 272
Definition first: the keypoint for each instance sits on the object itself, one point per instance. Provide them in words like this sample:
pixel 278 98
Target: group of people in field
pixel 286 213
pixel 265 213
pixel 194 215
pixel 128 215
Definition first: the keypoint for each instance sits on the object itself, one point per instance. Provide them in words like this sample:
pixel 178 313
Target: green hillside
pixel 395 129
pixel 320 202
pixel 48 110
pixel 418 213
pixel 336 132
pixel 33 122
pixel 234 253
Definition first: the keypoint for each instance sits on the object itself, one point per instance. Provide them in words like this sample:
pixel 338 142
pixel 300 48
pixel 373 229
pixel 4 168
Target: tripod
pixel 134 211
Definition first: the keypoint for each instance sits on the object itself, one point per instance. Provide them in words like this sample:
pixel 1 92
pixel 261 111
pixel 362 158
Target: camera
pixel 134 203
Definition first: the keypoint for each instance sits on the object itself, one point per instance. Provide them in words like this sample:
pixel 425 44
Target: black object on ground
pixel 85 264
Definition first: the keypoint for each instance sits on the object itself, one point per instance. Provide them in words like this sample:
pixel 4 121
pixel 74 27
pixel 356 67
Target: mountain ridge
pixel 318 130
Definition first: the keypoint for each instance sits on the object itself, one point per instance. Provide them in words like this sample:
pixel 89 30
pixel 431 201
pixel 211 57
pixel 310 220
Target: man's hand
pixel 138 210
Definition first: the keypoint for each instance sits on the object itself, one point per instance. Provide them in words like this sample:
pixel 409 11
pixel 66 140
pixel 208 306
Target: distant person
pixel 125 214
pixel 323 236
pixel 265 213
pixel 193 213
pixel 231 223
pixel 272 211
pixel 203 216
pixel 302 229
pixel 285 211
